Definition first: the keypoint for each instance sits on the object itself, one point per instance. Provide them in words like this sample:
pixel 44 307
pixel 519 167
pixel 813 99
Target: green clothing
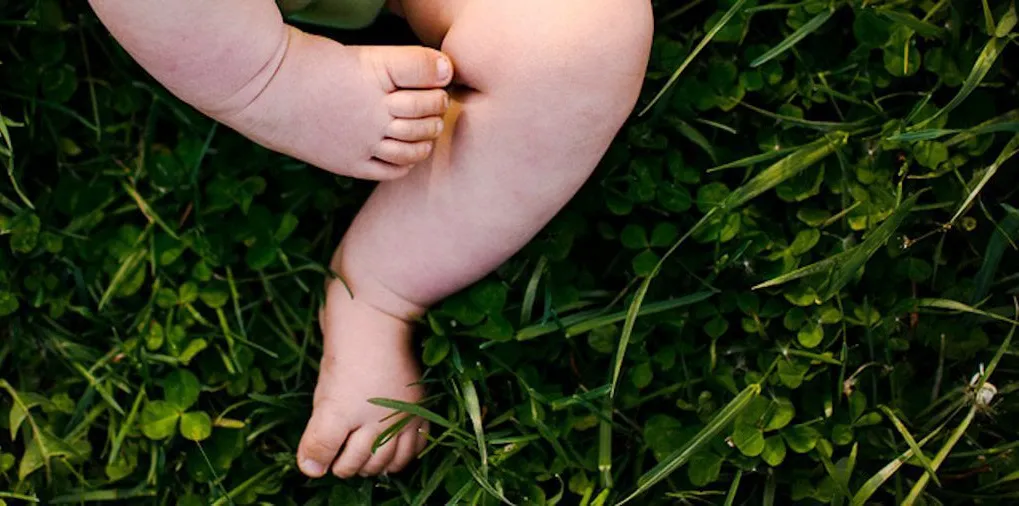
pixel 345 14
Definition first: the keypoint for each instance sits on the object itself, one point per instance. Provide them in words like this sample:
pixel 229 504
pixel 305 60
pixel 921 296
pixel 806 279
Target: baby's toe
pixel 380 460
pixel 355 454
pixel 414 104
pixel 414 67
pixel 401 153
pixel 374 169
pixel 414 130
pixel 405 452
pixel 322 439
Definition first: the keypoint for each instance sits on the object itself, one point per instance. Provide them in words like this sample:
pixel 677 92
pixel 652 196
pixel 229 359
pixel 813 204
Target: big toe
pixel 415 67
pixel 322 439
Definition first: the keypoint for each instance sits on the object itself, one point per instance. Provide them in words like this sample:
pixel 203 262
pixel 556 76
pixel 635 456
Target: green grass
pixel 790 280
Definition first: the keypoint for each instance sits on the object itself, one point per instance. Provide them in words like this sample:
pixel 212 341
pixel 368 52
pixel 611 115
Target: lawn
pixel 793 278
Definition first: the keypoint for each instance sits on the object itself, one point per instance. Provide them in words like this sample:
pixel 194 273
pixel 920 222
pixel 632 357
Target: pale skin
pixel 543 88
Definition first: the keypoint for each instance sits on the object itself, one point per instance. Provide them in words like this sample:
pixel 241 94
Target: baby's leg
pixel 368 112
pixel 550 83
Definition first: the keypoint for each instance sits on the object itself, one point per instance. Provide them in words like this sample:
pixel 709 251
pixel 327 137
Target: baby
pixel 468 177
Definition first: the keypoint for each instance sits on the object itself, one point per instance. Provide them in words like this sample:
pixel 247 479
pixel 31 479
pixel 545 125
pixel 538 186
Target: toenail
pixel 444 68
pixel 312 467
pixel 439 126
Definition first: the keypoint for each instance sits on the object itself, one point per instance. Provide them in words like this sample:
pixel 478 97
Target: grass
pixel 779 287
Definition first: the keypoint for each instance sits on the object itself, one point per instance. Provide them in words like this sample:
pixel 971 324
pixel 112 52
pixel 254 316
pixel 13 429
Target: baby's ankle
pixel 375 297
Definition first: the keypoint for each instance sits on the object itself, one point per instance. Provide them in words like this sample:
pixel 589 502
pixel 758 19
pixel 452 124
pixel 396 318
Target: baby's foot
pixel 367 355
pixel 361 111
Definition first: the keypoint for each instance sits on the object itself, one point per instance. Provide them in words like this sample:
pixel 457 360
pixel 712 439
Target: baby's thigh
pixel 430 19
pixel 536 69
pixel 535 46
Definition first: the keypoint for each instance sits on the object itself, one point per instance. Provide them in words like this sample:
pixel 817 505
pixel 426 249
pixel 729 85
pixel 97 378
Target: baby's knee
pixel 604 41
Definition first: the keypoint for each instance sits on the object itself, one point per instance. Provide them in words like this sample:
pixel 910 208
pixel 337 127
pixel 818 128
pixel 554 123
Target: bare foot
pixel 361 111
pixel 367 355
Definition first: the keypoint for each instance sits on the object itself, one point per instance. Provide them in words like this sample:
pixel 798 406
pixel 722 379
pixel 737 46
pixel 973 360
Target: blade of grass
pixel 584 398
pixel 981 68
pixel 1007 23
pixel 911 442
pixel 391 432
pixel 720 126
pixel 99 387
pixel 147 210
pixel 605 444
pixel 920 26
pixel 434 480
pixel 658 307
pixel 730 498
pixel 872 485
pixel 921 135
pixel 845 265
pixel 104 495
pixel 841 485
pixel 235 297
pixel 414 409
pixel 460 496
pixel 826 265
pixel 584 322
pixel 635 308
pixel 927 135
pixel 989 126
pixel 808 28
pixel 724 20
pixel 1010 477
pixel 677 459
pixel 20 497
pixel 695 136
pixel 531 293
pixel 988 17
pixel 54 106
pixel 5 135
pixel 823 126
pixel 121 275
pixel 1000 239
pixel 470 395
pixel 599 500
pixel 1010 150
pixel 483 482
pixel 956 402
pixel 825 359
pixel 784 169
pixel 753 160
pixel 770 486
pixel 1005 345
pixel 997 450
pixel 255 480
pixel 953 305
pixel 921 483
